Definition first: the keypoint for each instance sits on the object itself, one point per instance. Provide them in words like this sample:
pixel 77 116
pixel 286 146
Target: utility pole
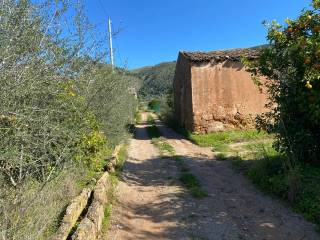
pixel 110 44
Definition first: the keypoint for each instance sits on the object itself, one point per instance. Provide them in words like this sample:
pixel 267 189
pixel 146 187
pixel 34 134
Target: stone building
pixel 214 92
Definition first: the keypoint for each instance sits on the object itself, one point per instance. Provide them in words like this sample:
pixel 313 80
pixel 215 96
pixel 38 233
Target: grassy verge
pixel 299 188
pixel 138 117
pixel 220 141
pixel 166 150
pixel 113 181
pixel 252 153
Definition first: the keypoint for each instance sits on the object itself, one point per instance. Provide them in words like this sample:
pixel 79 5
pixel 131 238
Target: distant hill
pixel 157 80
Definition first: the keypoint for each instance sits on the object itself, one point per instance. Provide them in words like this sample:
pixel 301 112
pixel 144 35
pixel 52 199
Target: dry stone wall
pixel 94 200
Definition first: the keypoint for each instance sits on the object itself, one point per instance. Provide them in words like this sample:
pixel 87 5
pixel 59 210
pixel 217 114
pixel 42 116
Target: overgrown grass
pixel 113 182
pixel 122 155
pixel 164 148
pixel 138 117
pixel 106 219
pixel 27 217
pixel 193 185
pixel 219 141
pixel 269 175
pixel 150 119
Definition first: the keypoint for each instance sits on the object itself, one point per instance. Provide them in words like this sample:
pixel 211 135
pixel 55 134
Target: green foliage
pixel 292 67
pixel 138 117
pixel 92 150
pixel 122 155
pixel 56 109
pixel 152 129
pixel 150 120
pixel 219 141
pixel 165 148
pixel 61 108
pixel 106 219
pixel 270 176
pixel 157 80
pixel 154 105
pixel 193 185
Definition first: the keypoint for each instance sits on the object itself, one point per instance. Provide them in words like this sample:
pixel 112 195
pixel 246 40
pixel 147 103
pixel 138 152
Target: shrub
pixel 61 108
pixel 154 105
pixel 268 174
pixel 291 65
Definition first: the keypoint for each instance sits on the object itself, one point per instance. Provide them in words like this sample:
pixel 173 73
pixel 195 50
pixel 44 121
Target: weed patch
pixel 113 182
pixel 220 141
pixel 193 185
pixel 164 148
pixel 269 175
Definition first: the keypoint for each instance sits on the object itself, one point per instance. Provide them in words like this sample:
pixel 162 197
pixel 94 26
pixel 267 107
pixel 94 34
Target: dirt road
pixel 153 205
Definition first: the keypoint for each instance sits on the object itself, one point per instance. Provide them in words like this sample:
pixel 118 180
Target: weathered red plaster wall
pixel 223 96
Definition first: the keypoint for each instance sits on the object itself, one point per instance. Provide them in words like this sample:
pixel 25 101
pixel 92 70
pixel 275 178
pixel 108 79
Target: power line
pixel 104 9
pixel 107 15
pixel 118 49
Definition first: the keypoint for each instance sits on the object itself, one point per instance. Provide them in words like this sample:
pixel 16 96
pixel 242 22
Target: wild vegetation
pixel 61 112
pixel 113 179
pixel 282 157
pixel 292 68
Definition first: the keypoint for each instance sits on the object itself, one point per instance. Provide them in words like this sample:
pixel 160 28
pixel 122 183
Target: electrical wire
pixel 104 9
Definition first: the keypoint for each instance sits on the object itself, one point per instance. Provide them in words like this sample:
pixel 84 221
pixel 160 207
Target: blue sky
pixel 156 30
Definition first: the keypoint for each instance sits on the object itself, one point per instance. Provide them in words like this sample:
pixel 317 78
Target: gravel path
pixel 153 205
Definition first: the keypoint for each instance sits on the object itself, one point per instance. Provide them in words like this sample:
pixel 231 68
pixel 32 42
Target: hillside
pixel 157 80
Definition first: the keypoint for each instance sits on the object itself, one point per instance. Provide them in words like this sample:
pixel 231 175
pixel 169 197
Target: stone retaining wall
pixel 91 224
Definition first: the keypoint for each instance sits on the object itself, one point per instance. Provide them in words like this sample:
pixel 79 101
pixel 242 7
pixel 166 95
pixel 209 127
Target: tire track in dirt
pixel 152 204
pixel 234 208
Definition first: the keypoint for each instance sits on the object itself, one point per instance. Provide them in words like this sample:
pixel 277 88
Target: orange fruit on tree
pixel 316 29
pixel 290 30
pixel 307 60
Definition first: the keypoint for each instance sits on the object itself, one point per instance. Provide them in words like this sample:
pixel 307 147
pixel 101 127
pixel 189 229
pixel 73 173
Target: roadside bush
pixel 292 67
pixel 61 109
pixel 269 175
